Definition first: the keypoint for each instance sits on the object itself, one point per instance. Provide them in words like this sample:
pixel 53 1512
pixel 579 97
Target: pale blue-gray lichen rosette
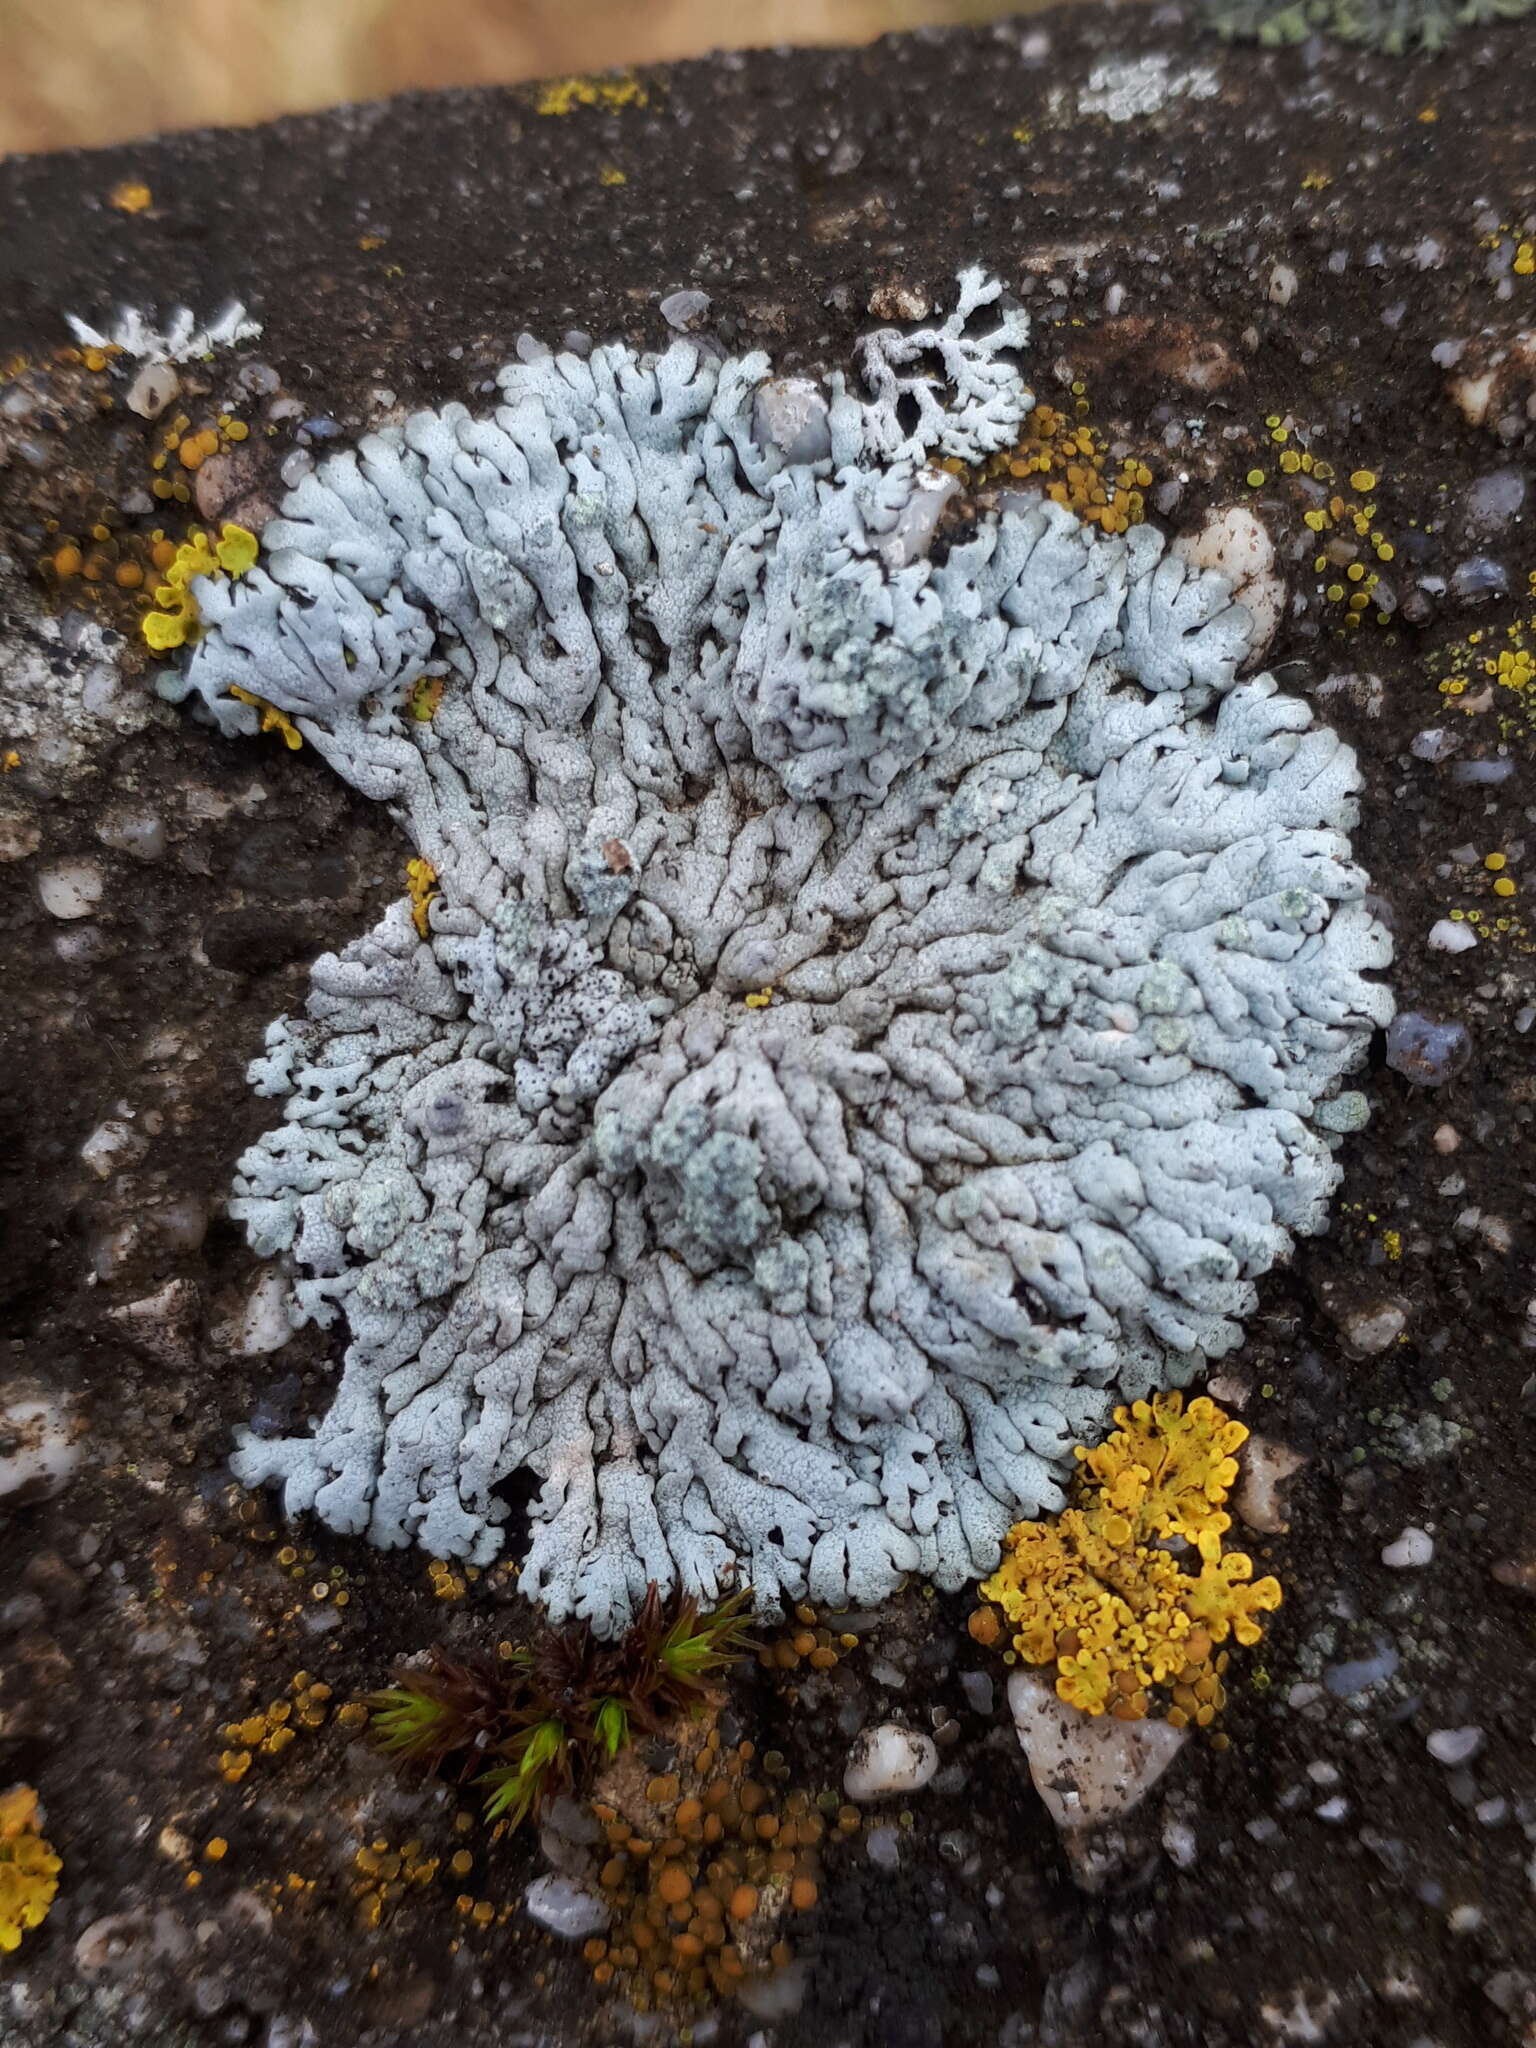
pixel 1066 952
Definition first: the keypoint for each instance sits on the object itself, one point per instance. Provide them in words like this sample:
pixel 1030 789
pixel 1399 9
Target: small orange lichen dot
pixel 984 1627
pixel 132 195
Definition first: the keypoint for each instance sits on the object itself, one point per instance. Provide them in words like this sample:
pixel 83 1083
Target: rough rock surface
pixel 1324 1878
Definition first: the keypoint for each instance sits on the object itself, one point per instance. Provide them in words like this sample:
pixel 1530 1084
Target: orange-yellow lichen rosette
pixel 1101 1590
pixel 29 1868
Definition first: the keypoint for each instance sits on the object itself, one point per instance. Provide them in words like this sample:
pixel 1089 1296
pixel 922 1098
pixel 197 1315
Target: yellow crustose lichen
pixel 272 720
pixel 29 1868
pixel 421 884
pixel 176 622
pixel 620 89
pixel 1101 1591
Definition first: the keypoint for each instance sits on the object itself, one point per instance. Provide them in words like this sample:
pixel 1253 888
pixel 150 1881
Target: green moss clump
pixel 1392 26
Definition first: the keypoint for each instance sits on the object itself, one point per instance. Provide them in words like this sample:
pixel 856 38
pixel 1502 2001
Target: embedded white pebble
pixel 1447 936
pixel 1259 1502
pixel 138 833
pixel 566 1908
pixel 152 390
pixel 980 1693
pixel 81 945
pixel 568 1836
pixel 887 1762
pixel 1452 1746
pixel 1234 542
pixel 39 1445
pixel 1181 1844
pixel 112 1146
pixel 1410 1550
pixel 263 1323
pixel 19 838
pixel 685 310
pixel 883 1848
pixel 777 1995
pixel 70 888
pixel 1087 1768
pixel 1370 1330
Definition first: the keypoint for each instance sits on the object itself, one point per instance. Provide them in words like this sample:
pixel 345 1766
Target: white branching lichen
pixel 878 990
pixel 181 340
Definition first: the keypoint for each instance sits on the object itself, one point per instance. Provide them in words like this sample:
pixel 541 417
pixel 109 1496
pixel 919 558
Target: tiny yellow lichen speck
pixel 1095 1591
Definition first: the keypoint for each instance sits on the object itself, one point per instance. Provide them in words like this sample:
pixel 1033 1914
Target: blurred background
pixel 114 69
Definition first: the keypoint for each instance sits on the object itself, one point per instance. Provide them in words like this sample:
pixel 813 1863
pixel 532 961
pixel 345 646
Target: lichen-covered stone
pixel 879 986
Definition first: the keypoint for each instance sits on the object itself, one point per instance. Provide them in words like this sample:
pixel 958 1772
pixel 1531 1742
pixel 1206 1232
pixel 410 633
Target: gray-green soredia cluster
pixel 1066 953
